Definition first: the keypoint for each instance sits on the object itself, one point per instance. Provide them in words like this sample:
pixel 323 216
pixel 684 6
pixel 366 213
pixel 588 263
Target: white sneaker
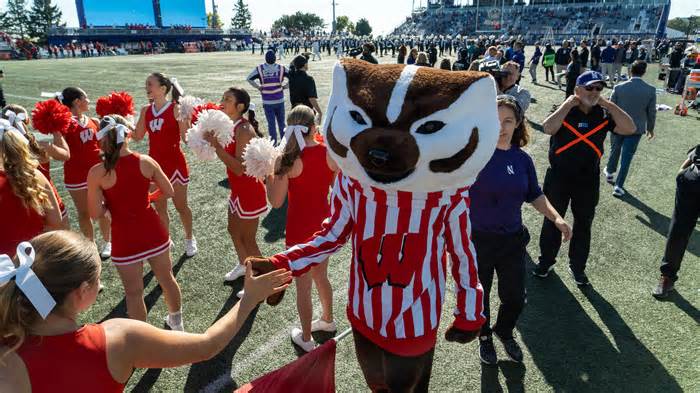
pixel 240 294
pixel 191 247
pixel 618 192
pixel 106 251
pixel 175 325
pixel 236 273
pixel 298 339
pixel 323 326
pixel 609 177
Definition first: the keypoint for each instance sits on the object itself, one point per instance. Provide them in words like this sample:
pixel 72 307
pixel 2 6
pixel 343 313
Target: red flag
pixel 313 372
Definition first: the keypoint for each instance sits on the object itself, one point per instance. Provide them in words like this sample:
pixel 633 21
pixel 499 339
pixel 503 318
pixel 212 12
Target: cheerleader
pixel 27 202
pixel 57 149
pixel 120 185
pixel 247 201
pixel 304 175
pixel 84 153
pixel 46 348
pixel 165 132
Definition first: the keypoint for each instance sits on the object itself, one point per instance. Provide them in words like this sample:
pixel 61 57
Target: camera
pixel 493 67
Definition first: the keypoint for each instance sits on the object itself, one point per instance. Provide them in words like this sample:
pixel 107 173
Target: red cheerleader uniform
pixel 84 153
pixel 82 367
pixel 137 232
pixel 308 204
pixel 248 198
pixel 19 223
pixel 45 169
pixel 164 143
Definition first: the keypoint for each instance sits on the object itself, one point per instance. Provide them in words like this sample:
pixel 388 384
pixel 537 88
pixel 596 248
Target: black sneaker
pixel 487 352
pixel 580 278
pixel 664 287
pixel 542 270
pixel 512 349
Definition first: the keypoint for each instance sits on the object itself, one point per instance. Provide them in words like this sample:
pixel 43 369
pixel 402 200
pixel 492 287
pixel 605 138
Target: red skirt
pixel 138 237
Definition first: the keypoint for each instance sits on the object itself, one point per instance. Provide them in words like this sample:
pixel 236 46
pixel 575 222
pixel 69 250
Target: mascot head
pixel 408 128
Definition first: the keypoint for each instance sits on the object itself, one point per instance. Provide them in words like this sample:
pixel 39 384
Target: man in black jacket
pixel 595 55
pixel 561 60
pixel 583 54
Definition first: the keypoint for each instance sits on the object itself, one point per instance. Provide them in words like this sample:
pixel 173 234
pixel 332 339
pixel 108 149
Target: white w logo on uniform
pixel 156 124
pixel 86 135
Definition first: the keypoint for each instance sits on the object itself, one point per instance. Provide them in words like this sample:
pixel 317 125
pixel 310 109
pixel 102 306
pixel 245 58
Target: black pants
pixel 386 372
pixel 503 254
pixel 2 99
pixel 582 192
pixel 685 216
pixel 549 70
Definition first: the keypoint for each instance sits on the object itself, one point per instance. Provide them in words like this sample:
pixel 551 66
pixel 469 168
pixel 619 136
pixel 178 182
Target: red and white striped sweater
pixel 398 269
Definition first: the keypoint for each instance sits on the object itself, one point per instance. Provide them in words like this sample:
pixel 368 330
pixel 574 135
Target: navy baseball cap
pixel 590 77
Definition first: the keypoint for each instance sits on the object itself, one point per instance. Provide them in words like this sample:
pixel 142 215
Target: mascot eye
pixel 358 118
pixel 430 127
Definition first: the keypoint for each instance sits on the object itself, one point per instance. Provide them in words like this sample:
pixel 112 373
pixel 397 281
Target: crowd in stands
pixel 528 20
pixel 139 27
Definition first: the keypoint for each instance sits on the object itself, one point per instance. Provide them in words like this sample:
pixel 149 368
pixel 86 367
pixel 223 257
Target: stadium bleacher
pixel 637 18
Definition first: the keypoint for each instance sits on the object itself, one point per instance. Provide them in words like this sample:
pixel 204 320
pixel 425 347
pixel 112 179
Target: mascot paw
pixel 263 266
pixel 461 336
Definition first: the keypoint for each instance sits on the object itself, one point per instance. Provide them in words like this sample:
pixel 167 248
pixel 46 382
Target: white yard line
pixel 274 342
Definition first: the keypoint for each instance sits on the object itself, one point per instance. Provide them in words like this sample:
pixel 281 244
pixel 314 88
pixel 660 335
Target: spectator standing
pixel 518 55
pixel 302 86
pixel 573 70
pixel 617 63
pixel 268 78
pixel 573 176
pixel 685 216
pixel 534 61
pixel 367 50
pixel 595 55
pixel 432 55
pixel 508 85
pixel 584 54
pixel 401 58
pixel 631 55
pixel 638 99
pixel 607 58
pixel 561 60
pixel 548 62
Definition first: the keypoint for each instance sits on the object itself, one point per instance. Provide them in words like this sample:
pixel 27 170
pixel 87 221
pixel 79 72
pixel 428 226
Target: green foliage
pixel 686 25
pixel 15 20
pixel 241 16
pixel 214 20
pixel 343 23
pixel 43 16
pixel 300 21
pixel 362 27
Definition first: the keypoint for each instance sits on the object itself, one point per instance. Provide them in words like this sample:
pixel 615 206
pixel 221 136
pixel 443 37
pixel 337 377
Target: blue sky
pixel 383 15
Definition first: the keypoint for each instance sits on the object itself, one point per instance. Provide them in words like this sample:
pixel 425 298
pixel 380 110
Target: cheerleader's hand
pixel 210 137
pixel 262 266
pixel 460 336
pixel 257 288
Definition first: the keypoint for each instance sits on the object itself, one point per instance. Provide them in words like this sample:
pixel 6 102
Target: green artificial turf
pixel 610 337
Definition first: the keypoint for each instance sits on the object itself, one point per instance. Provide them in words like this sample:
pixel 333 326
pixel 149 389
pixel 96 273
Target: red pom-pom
pixel 199 108
pixel 122 103
pixel 51 116
pixel 103 106
pixel 116 103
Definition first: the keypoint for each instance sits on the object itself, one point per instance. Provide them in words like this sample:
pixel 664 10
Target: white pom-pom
pixel 209 120
pixel 259 158
pixel 187 105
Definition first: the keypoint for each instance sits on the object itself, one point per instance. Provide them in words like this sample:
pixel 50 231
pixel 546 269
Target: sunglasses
pixel 594 88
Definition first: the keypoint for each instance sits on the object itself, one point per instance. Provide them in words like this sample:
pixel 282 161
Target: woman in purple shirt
pixel 497 196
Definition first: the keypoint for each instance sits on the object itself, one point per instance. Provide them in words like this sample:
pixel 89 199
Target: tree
pixel 362 27
pixel 241 16
pixel 342 23
pixel 301 21
pixel 685 25
pixel 43 16
pixel 15 21
pixel 214 20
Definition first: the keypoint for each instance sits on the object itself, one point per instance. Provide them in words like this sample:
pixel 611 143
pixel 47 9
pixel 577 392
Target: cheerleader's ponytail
pixel 171 86
pixel 112 135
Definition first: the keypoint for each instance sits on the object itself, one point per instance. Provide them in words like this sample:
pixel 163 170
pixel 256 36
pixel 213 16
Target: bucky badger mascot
pixel 409 142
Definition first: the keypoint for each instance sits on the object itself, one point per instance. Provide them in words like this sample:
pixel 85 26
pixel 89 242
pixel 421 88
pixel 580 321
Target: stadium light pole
pixel 333 3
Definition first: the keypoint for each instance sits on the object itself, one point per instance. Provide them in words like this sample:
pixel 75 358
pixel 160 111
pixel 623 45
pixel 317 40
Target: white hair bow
pixel 26 280
pixel 176 86
pixel 251 107
pixel 298 131
pixel 17 120
pixel 6 126
pixel 58 95
pixel 111 123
